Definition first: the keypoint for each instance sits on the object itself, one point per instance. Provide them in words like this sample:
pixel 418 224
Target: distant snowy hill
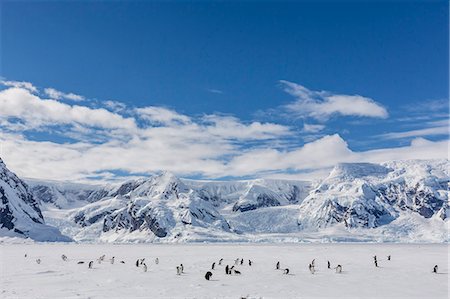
pixel 20 215
pixel 403 201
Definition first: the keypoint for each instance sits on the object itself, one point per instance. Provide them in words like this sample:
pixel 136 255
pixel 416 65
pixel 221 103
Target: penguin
pixel 157 261
pixel 178 270
pixel 277 266
pixel 38 261
pixel 220 261
pixel 338 269
pixel 329 265
pixel 435 269
pixel 90 264
pixel 26 255
pixel 249 262
pixel 122 262
pixel 112 260
pixel 80 262
pixel 311 269
pixel 64 257
pixel 181 268
pixel 137 263
pixel 213 265
pixel 376 263
pixel 102 258
pixel 242 262
pixel 313 263
pixel 145 267
pixel 236 272
pixel 389 257
pixel 141 261
pixel 208 275
pixel 227 268
pixel 286 271
pixel 236 261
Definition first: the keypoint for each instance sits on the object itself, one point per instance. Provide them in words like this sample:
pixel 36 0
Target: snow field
pixel 408 274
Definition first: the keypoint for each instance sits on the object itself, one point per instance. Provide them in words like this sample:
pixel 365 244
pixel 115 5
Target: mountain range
pixel 397 201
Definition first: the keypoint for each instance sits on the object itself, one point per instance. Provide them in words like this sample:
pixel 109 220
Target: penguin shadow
pixel 442 273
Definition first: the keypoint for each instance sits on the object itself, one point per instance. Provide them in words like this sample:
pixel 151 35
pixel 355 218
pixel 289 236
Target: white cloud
pixel 162 115
pixel 312 128
pixel 20 84
pixel 229 127
pixel 437 128
pixel 158 138
pixel 35 112
pixel 321 105
pixel 115 106
pixel 58 95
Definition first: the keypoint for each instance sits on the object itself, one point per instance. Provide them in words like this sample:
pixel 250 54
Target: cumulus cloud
pixel 34 112
pixel 59 95
pixel 150 139
pixel 321 105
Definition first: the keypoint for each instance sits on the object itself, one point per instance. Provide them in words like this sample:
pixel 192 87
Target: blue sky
pixel 239 81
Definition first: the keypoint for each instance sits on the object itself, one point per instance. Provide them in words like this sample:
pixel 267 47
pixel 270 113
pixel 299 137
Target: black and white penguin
pixel 137 263
pixel 338 269
pixel 286 271
pixel 80 262
pixel 242 262
pixel 181 268
pixel 227 268
pixel 144 266
pixel 277 266
pixel 435 269
pixel 112 260
pixel 208 275
pixel 237 272
pixel 311 269
pixel 122 262
pixel 38 261
pixel 329 265
pixel 178 270
pixel 213 265
pixel 157 261
pixel 389 257
pixel 64 257
pixel 220 261
pixel 90 264
pixel 249 262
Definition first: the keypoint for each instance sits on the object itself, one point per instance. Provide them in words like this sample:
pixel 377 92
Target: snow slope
pixel 372 195
pixel 20 215
pixel 407 275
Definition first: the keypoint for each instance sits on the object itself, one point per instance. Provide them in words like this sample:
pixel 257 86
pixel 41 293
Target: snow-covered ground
pixel 407 274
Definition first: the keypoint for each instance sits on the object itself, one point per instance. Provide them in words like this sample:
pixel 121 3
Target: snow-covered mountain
pixel 20 214
pixel 372 195
pixel 393 201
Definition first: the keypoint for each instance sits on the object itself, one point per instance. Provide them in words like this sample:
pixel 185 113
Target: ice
pixel 408 274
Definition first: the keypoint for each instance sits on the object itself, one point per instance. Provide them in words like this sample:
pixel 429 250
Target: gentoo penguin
pixel 286 271
pixel 90 264
pixel 338 269
pixel 208 275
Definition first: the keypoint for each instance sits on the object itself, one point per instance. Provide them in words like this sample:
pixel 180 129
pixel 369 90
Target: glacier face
pixel 394 201
pixel 20 214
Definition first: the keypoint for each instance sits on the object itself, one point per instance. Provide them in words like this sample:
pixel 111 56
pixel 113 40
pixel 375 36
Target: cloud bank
pixel 105 141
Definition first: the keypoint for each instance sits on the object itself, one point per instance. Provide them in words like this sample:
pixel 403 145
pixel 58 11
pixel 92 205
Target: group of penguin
pixel 228 270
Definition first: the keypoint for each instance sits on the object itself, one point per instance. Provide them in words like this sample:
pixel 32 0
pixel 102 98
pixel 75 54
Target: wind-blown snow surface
pixel 408 273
